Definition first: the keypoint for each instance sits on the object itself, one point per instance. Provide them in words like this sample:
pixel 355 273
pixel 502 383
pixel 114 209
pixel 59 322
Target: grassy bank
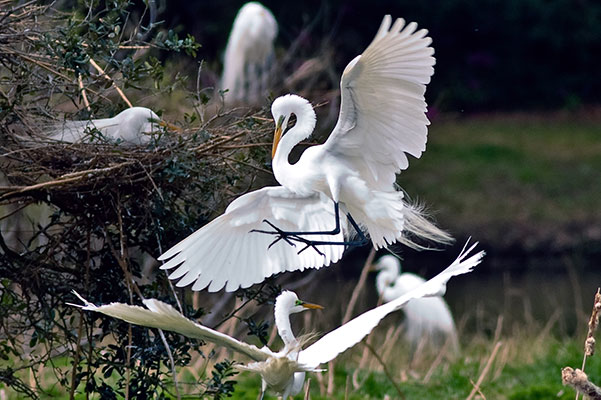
pixel 514 180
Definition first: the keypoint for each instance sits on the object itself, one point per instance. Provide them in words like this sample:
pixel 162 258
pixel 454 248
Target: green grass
pixel 531 372
pixel 526 367
pixel 541 172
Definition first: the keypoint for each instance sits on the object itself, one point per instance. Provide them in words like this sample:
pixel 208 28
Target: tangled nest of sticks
pixel 59 172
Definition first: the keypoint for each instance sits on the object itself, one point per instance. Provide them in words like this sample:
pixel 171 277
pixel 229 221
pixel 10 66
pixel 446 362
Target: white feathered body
pixel 132 126
pixel 382 120
pixel 248 52
pixel 284 371
pixel 426 319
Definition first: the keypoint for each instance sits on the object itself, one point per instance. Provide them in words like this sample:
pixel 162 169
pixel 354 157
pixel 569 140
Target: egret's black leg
pixel 291 236
pixel 353 243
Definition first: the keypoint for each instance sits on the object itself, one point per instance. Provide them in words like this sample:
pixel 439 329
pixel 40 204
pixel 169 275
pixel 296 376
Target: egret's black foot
pixel 308 244
pixel 281 235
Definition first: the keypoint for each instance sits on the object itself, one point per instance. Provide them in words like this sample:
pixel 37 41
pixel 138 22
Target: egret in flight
pixel 132 126
pixel 248 53
pixel 426 319
pixel 382 117
pixel 284 371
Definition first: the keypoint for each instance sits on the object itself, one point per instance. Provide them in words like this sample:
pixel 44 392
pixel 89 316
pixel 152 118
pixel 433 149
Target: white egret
pixel 284 371
pixel 132 126
pixel 426 319
pixel 382 117
pixel 248 53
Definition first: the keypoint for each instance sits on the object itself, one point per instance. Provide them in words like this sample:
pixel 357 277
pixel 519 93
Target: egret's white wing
pixel 382 113
pixel 226 251
pixel 162 316
pixel 351 333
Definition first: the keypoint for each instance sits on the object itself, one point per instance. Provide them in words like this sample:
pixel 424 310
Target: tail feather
pixel 388 219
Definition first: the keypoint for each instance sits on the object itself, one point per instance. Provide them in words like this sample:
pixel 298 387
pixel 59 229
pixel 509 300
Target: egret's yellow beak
pixel 169 126
pixel 277 136
pixel 312 306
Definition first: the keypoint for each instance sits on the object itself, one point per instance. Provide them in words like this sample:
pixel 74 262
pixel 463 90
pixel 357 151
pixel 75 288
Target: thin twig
pixel 388 375
pixel 99 68
pixel 359 286
pixel 84 96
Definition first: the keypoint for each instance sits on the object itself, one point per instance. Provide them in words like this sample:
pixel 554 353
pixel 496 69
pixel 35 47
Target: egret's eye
pixel 298 303
pixel 291 121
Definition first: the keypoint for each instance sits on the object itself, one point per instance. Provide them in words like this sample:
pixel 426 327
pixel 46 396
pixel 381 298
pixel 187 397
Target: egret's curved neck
pixel 282 321
pixel 305 123
pixel 385 278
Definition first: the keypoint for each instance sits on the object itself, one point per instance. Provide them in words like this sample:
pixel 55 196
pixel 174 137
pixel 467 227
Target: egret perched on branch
pixel 428 318
pixel 248 53
pixel 132 126
pixel 284 371
pixel 382 117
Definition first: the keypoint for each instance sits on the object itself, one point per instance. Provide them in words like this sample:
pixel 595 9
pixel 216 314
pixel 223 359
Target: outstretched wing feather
pixel 351 333
pixel 163 316
pixel 382 113
pixel 226 253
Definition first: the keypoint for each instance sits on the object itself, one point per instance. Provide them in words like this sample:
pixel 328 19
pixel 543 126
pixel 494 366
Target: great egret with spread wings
pixel 382 117
pixel 132 126
pixel 284 371
pixel 428 319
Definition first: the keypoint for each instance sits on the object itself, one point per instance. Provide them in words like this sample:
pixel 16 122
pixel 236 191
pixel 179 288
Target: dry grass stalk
pixel 358 287
pixel 440 356
pixel 386 372
pixel 589 342
pixel 593 323
pixel 579 381
pixel 307 389
pixel 476 388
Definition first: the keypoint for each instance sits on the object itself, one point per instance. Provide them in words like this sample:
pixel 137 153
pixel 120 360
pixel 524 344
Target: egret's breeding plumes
pixel 382 117
pixel 131 126
pixel 284 371
pixel 428 319
pixel 248 54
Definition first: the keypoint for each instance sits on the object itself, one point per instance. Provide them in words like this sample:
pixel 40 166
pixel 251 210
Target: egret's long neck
pixel 282 321
pixel 305 123
pixel 385 278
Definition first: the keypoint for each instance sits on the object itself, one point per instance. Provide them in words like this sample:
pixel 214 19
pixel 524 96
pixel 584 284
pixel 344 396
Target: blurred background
pixel 513 161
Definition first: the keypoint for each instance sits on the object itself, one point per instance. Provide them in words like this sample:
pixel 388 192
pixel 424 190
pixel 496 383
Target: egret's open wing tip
pixel 86 304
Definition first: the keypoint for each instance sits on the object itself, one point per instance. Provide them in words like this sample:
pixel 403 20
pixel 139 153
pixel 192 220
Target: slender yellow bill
pixel 312 306
pixel 169 126
pixel 277 136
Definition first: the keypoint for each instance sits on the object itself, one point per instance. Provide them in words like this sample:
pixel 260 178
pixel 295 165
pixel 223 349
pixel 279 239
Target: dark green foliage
pixel 220 386
pixel 129 202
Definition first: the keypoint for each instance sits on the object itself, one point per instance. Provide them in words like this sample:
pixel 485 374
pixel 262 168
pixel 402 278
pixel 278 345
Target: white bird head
pixel 289 303
pixel 388 263
pixel 141 120
pixel 282 109
pixel 389 268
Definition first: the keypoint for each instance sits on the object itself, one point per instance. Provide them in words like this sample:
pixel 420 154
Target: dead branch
pixel 579 381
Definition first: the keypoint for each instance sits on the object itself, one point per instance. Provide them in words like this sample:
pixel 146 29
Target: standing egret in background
pixel 132 126
pixel 426 319
pixel 382 117
pixel 284 371
pixel 248 54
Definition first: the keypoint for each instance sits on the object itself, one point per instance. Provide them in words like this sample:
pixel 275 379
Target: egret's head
pixel 389 268
pixel 282 109
pixel 288 300
pixel 139 121
pixel 388 263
